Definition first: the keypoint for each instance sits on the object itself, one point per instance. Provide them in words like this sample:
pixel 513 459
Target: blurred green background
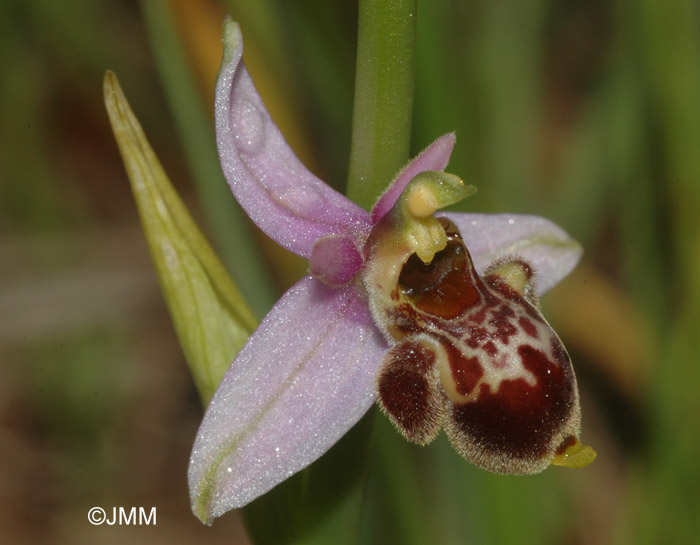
pixel 585 112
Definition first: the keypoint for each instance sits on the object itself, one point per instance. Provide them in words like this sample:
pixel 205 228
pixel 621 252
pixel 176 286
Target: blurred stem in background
pixel 227 220
pixel 670 33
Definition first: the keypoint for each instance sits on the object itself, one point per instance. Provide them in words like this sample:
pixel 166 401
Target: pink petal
pixel 289 203
pixel 335 260
pixel 434 157
pixel 304 378
pixel 543 244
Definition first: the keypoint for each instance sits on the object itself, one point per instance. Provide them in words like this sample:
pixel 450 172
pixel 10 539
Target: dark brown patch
pixel 474 336
pixel 565 444
pixel 490 348
pixel 519 420
pixel 407 391
pixel 478 317
pixel 466 372
pixel 442 287
pixel 528 327
pixel 560 353
pixel 405 319
pixel 500 321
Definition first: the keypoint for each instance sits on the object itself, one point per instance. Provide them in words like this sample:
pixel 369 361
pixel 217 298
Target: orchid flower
pixel 394 307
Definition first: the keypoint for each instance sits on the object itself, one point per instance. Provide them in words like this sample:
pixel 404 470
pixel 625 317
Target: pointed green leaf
pixel 211 318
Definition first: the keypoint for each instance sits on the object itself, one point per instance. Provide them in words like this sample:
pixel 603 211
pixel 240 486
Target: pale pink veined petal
pixel 289 203
pixel 545 245
pixel 434 157
pixel 304 378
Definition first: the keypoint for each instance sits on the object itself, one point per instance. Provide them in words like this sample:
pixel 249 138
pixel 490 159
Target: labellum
pixel 471 355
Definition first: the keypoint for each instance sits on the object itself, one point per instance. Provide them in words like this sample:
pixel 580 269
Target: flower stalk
pixel 384 90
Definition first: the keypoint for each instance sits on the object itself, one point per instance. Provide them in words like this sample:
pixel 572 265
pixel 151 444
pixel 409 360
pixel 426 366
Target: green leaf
pixel 211 318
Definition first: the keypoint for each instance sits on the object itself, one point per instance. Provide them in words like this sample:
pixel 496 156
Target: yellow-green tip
pixel 424 195
pixel 432 190
pixel 575 456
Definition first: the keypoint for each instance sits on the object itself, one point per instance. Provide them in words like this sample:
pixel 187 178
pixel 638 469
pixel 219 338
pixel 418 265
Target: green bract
pixel 211 318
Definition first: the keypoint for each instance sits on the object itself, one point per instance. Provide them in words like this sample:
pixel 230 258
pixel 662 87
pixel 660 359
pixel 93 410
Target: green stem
pixel 384 88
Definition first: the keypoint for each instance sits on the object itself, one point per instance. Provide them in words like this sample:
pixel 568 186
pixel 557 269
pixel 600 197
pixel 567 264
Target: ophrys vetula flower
pixel 393 300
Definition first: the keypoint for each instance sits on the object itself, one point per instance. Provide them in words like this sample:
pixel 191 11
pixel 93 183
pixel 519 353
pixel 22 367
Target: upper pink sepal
pixel 289 203
pixel 544 245
pixel 434 157
pixel 304 378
